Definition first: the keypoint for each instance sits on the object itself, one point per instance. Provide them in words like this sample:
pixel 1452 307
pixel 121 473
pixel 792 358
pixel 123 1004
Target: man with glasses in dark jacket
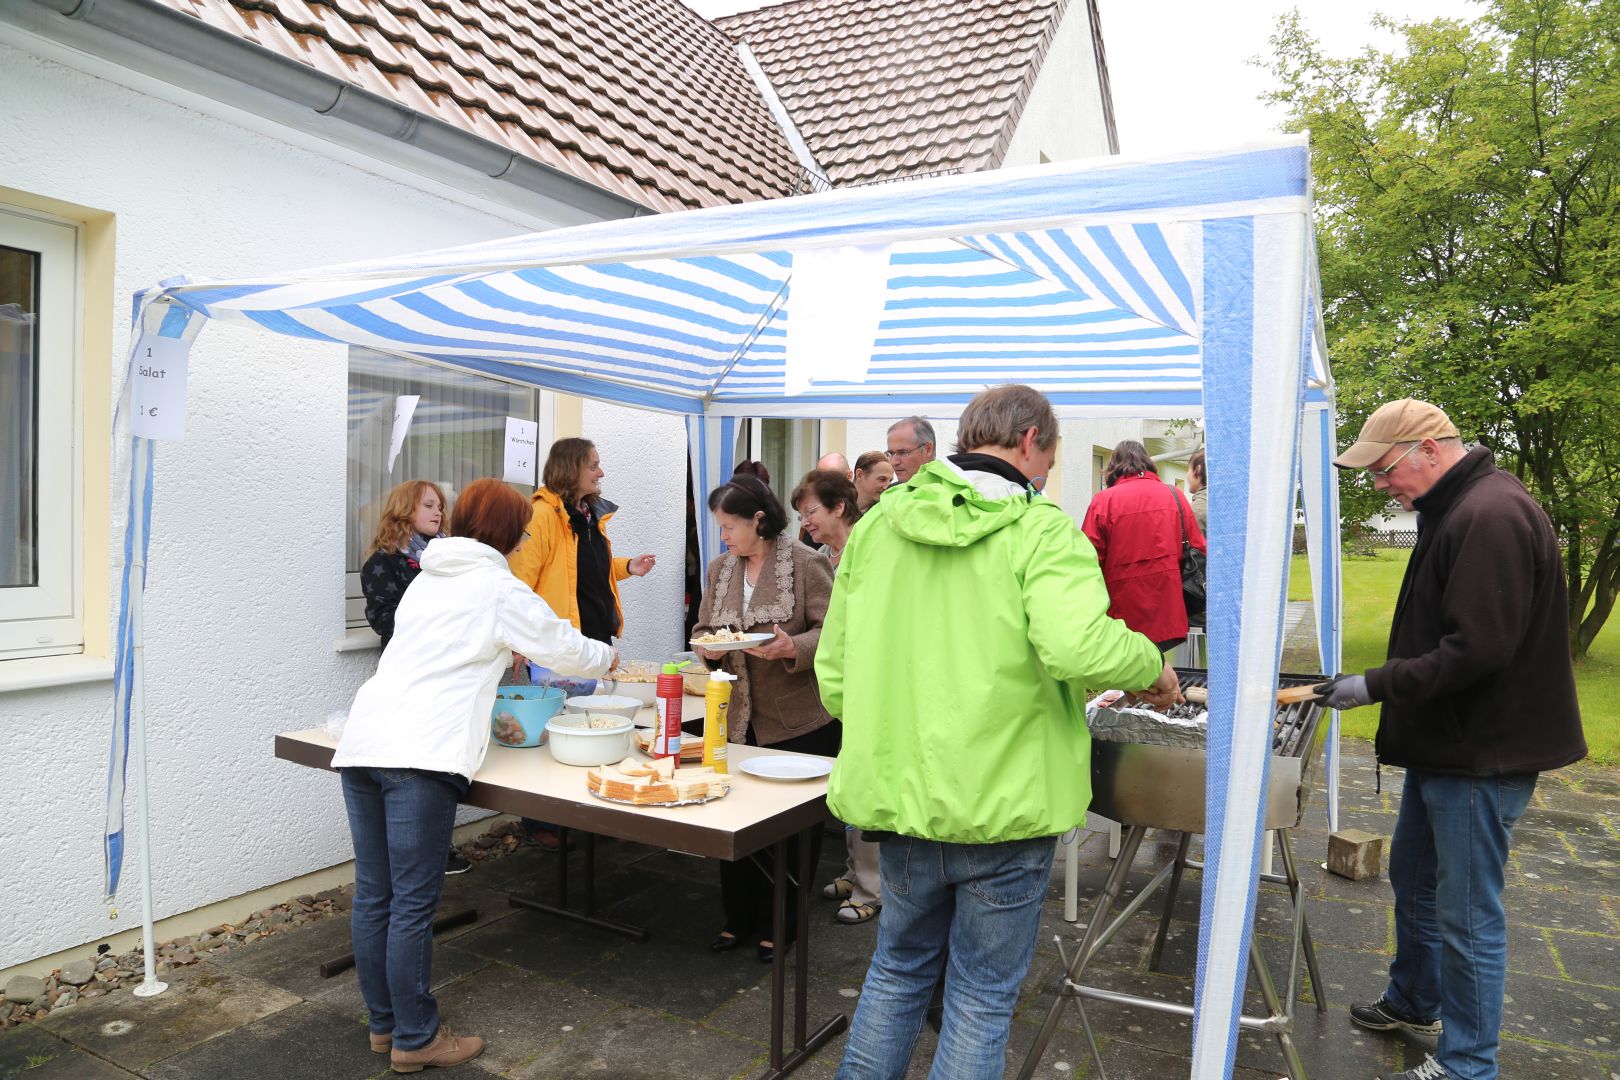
pixel 1478 698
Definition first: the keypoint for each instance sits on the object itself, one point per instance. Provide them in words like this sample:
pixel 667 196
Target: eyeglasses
pixel 1382 473
pixel 892 454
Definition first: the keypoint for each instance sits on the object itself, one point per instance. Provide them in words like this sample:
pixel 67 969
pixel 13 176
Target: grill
pixel 1141 778
pixel 1148 773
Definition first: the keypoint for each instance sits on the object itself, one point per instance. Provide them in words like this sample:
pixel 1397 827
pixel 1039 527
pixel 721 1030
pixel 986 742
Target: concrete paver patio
pixel 560 1001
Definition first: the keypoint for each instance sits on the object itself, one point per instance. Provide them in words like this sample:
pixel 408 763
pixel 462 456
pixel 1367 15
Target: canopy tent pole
pixel 150 984
pixel 1320 490
pixel 1253 394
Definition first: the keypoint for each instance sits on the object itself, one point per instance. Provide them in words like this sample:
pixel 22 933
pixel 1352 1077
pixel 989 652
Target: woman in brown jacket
pixel 770 583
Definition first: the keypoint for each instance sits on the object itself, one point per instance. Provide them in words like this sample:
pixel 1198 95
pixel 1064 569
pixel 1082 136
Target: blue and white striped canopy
pixel 1078 279
pixel 1150 288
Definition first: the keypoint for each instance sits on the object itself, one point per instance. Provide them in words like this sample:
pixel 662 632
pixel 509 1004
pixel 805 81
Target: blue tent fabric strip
pixel 1159 289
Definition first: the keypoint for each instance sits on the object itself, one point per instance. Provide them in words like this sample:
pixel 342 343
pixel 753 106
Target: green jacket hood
pixel 945 506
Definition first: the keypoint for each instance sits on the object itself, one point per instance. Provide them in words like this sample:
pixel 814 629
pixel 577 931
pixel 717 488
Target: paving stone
pixel 1350 975
pixel 1589 958
pixel 644 1044
pixel 1330 1045
pixel 1556 908
pixel 748 1013
pixel 677 973
pixel 31 1053
pixel 1577 823
pixel 1350 924
pixel 1520 1059
pixel 304 1040
pixel 201 1003
pixel 545 944
pixel 342 992
pixel 1067 1057
pixel 1528 952
pixel 519 1015
pixel 1599 879
pixel 1559 1012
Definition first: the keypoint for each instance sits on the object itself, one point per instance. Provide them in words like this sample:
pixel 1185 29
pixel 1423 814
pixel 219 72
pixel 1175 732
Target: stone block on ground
pixel 1355 854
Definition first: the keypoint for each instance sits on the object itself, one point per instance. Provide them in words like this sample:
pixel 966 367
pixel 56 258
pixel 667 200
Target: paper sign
pixel 158 388
pixel 835 302
pixel 404 409
pixel 521 439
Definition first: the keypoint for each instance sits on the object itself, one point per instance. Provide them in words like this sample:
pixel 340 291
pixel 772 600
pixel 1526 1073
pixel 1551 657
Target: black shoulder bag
pixel 1192 566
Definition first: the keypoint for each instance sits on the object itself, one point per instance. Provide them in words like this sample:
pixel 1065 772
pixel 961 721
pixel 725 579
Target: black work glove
pixel 1345 692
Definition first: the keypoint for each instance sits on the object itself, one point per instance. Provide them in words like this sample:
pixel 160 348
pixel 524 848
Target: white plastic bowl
pixel 573 744
pixel 644 692
pixel 609 704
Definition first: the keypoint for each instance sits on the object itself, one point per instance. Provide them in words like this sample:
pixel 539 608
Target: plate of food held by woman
pixel 730 640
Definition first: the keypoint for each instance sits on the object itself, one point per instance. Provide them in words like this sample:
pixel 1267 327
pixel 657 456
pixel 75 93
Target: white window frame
pixel 47 618
pixel 354 599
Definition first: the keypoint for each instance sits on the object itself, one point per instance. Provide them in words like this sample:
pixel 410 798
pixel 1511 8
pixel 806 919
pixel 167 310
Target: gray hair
pixel 1000 415
pixel 921 430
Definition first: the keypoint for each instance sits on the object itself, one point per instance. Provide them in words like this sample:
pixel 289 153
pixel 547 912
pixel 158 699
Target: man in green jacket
pixel 968 623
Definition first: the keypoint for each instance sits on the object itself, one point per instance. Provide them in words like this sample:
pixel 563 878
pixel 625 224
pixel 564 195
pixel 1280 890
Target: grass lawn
pixel 1370 587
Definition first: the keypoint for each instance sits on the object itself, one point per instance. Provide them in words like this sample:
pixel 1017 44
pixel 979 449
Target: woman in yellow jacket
pixel 568 559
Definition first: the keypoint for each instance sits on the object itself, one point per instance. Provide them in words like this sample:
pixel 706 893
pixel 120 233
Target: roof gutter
pixel 198 44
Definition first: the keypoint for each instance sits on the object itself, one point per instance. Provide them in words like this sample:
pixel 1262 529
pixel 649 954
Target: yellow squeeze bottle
pixel 716 705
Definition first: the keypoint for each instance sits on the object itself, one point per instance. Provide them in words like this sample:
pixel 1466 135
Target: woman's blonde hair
pixel 564 465
pixel 399 513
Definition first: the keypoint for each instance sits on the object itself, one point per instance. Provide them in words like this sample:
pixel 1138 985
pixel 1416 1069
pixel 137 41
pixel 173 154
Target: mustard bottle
pixel 716 707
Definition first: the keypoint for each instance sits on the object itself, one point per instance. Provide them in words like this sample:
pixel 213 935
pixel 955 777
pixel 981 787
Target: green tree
pixel 1468 200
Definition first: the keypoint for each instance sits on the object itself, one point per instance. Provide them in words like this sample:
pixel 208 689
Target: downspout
pixel 196 43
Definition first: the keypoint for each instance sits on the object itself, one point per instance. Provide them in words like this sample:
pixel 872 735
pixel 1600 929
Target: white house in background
pixel 148 138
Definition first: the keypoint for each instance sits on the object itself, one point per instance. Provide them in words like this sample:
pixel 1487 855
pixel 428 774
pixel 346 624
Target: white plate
pixel 748 642
pixel 778 767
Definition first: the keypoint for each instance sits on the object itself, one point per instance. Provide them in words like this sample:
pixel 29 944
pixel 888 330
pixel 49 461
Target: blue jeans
pixel 985 900
pixel 400 821
pixel 1446 864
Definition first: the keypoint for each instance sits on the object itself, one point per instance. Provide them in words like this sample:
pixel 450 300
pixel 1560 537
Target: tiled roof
pixel 882 89
pixel 642 98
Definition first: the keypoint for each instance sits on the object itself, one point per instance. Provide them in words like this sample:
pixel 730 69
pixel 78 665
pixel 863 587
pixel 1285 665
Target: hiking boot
pixel 1430 1069
pixel 445 1050
pixel 1383 1016
pixel 456 863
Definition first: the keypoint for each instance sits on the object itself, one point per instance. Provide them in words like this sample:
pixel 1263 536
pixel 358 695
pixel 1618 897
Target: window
pixel 457 434
pixel 41 600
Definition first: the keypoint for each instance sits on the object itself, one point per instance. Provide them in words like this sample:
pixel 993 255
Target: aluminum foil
pixel 1110 720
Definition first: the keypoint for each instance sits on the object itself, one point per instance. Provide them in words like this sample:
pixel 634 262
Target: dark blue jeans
pixel 985 900
pixel 400 821
pixel 1446 866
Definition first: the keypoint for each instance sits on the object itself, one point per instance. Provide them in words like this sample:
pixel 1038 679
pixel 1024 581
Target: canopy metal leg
pixel 1302 929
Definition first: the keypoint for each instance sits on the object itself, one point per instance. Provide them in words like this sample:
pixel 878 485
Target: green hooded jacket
pixel 968 621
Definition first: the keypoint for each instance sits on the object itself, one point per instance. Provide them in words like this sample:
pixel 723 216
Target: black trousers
pixel 746 886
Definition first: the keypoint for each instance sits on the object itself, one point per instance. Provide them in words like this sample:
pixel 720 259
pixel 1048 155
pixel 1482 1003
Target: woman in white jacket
pixel 416 735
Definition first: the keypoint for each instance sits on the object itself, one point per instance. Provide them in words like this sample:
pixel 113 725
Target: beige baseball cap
pixel 1403 421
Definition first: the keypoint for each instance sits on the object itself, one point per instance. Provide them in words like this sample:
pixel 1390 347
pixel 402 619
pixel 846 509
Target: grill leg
pixel 1169 902
pixel 1274 1005
pixel 1077 966
pixel 1297 893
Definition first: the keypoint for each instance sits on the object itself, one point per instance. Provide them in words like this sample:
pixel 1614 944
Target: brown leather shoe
pixel 381 1044
pixel 445 1050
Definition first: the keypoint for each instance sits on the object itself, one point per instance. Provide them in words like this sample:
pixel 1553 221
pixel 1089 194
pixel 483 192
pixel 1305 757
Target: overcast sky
pixel 1179 68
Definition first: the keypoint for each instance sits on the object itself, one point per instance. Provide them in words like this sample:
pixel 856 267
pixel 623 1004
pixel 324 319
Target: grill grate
pixel 1293 731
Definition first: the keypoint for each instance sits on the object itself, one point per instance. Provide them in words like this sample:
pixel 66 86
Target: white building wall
pixel 1063 118
pixel 246 572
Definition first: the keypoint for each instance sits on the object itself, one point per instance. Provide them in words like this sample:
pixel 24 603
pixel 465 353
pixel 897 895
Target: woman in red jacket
pixel 1133 524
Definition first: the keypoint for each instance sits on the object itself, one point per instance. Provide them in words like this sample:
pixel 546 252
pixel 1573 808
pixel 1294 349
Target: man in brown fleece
pixel 1478 698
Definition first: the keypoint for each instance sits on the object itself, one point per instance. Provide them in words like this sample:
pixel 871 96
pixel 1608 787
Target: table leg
pixel 1169 903
pixel 561 910
pixel 781 1064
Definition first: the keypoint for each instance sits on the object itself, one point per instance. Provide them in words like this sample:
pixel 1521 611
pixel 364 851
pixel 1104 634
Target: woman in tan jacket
pixel 770 583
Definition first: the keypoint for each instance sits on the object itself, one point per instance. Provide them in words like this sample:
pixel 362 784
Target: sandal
pixel 838 889
pixel 851 913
